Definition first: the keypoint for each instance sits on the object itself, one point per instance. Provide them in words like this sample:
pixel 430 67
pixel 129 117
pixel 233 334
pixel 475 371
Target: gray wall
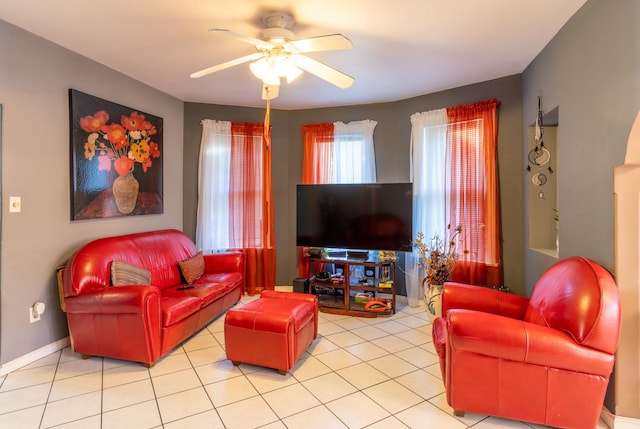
pixel 35 76
pixel 591 71
pixel 392 142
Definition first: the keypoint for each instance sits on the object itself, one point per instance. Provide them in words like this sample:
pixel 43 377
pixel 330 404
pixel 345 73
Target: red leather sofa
pixel 545 360
pixel 144 319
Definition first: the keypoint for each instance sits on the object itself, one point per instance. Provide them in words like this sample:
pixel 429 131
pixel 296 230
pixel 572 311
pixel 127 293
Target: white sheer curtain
pixel 212 228
pixel 354 155
pixel 428 149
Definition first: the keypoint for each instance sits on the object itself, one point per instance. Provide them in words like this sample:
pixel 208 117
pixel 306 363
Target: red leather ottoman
pixel 272 331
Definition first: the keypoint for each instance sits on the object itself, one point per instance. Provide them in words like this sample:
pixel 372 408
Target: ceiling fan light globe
pixel 271 68
pixel 259 68
pixel 284 67
pixel 264 70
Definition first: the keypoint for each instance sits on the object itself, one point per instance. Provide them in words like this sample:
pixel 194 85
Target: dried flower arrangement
pixel 438 256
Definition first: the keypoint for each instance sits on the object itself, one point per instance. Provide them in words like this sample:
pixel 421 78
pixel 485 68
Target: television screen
pixel 372 216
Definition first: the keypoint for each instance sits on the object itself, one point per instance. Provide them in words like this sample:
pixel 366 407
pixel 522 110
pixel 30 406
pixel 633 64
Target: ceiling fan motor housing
pixel 278 28
pixel 279 19
pixel 276 35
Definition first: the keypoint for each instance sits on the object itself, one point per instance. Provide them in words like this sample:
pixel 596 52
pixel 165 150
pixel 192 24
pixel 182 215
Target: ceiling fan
pixel 279 55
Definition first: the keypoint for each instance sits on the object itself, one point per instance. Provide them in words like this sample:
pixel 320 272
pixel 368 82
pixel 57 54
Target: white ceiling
pixel 402 48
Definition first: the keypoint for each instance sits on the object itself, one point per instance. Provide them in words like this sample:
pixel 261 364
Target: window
pixel 339 153
pixel 212 231
pixel 354 152
pixel 245 191
pixel 234 190
pixel 454 173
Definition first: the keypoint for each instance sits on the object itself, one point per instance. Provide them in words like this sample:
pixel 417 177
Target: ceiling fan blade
pixel 323 71
pixel 226 65
pixel 329 42
pixel 228 33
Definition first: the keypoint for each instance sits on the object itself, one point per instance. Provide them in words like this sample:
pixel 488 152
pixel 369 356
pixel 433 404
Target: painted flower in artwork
pixel 120 145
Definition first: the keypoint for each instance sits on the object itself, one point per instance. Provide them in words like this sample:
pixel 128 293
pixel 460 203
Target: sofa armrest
pixel 488 300
pixel 511 339
pixel 114 300
pixel 224 262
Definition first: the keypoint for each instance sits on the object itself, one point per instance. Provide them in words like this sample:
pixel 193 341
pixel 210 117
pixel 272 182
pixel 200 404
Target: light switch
pixel 14 204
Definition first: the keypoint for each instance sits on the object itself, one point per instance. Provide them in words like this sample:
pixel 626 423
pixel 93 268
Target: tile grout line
pixel 46 403
pixel 200 379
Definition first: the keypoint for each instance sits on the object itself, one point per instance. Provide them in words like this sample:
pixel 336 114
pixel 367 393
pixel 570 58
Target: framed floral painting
pixel 116 159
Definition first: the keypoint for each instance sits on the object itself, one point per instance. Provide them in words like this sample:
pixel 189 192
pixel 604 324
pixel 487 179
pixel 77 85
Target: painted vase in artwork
pixel 125 192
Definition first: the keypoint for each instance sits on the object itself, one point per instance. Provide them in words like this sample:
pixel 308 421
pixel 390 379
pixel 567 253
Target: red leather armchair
pixel 545 360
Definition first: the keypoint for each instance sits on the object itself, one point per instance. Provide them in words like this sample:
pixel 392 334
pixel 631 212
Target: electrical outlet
pixel 31 316
pixel 14 204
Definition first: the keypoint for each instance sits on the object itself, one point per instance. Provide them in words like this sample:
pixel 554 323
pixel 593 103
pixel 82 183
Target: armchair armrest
pixel 511 339
pixel 471 297
pixel 224 262
pixel 114 300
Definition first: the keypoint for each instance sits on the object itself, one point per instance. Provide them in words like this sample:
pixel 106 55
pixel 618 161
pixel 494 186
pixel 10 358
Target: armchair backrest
pixel 579 297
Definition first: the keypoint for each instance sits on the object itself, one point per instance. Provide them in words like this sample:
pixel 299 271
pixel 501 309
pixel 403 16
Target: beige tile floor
pixel 359 373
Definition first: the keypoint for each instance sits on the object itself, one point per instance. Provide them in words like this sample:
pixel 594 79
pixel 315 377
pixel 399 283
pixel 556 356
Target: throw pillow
pixel 192 268
pixel 123 274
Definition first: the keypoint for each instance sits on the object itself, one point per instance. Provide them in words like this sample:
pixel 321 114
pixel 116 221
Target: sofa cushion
pixel 192 268
pixel 123 274
pixel 231 278
pixel 177 308
pixel 205 292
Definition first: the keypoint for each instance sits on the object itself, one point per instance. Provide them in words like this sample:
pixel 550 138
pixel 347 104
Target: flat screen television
pixel 372 216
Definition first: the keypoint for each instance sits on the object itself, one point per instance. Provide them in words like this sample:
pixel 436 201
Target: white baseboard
pixel 33 356
pixel 618 422
pixel 621 422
